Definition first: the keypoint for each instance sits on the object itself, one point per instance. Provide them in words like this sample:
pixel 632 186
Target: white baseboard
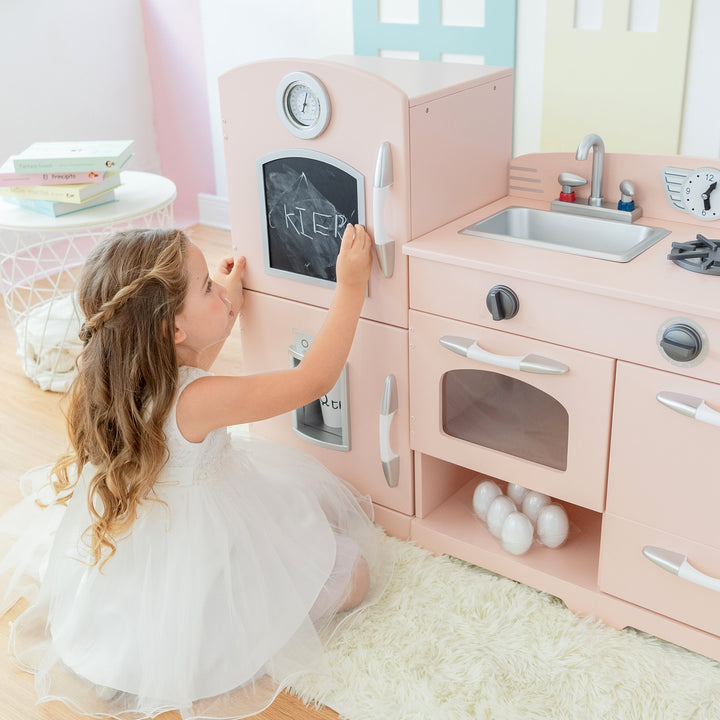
pixel 214 211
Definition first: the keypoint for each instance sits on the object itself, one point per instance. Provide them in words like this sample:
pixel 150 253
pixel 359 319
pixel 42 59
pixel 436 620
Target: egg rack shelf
pixel 453 528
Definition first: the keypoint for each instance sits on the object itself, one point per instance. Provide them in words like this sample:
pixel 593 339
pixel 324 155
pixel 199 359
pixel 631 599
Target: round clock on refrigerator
pixel 303 104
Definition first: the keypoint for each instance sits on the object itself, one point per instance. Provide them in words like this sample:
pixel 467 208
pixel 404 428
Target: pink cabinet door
pixel 664 464
pixel 692 597
pixel 271 325
pixel 353 137
pixel 516 409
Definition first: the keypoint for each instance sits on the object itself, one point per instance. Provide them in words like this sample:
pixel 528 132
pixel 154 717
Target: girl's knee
pixel 359 584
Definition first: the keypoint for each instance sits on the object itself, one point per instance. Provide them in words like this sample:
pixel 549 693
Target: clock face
pixel 700 193
pixel 303 104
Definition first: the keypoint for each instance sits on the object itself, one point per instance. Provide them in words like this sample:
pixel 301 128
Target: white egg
pixel 516 493
pixel 499 509
pixel 533 503
pixel 553 525
pixel 484 494
pixel 517 533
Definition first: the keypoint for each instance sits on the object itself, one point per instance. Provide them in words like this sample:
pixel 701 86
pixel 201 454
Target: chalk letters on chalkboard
pixel 308 201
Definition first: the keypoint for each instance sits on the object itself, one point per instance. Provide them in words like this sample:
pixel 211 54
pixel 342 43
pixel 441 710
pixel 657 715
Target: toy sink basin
pixel 576 234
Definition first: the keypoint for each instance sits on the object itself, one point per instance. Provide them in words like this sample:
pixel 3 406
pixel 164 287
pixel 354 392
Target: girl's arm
pixel 212 402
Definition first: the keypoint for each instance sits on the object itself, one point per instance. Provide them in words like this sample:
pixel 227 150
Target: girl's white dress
pixel 226 588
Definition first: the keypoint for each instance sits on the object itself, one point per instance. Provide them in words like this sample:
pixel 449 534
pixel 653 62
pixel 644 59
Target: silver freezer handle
pixel 388 406
pixel 384 178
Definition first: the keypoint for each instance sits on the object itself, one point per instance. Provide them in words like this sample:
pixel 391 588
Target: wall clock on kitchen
pixel 303 105
pixel 694 191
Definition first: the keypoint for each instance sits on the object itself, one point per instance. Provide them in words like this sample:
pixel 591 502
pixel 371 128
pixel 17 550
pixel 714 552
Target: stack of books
pixel 57 178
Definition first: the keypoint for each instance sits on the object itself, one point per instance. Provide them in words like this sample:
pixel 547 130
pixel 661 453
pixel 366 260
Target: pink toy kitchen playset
pixel 547 322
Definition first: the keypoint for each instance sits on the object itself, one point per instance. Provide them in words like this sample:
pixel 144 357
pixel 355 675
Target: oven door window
pixel 505 414
pixel 307 198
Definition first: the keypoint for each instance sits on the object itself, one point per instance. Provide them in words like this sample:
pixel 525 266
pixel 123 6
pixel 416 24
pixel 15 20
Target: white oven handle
pixel 384 178
pixel 526 363
pixel 691 406
pixel 678 565
pixel 388 407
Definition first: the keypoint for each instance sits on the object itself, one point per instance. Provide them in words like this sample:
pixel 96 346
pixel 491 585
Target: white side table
pixel 41 257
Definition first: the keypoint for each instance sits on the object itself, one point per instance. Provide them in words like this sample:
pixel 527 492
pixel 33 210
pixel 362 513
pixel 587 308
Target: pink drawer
pixel 627 573
pixel 663 464
pixel 548 432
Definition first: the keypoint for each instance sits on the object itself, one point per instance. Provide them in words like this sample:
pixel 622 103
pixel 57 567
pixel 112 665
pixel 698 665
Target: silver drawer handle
pixel 526 363
pixel 678 565
pixel 690 406
pixel 388 406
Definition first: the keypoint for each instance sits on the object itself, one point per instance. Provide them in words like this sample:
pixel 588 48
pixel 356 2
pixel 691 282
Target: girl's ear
pixel 180 335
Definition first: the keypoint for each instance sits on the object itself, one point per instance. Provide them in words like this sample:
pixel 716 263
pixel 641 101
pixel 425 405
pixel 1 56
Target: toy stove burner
pixel 700 255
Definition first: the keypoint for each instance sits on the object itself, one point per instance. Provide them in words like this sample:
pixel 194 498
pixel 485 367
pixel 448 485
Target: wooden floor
pixel 33 433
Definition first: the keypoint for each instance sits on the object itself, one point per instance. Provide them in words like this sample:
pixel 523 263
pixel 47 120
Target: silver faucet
pixel 626 210
pixel 598 147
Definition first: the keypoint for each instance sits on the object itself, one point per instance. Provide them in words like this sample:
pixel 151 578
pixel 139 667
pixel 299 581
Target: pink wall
pixel 173 39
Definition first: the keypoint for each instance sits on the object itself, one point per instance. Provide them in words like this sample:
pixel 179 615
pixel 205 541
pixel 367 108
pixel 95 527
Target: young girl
pixel 186 567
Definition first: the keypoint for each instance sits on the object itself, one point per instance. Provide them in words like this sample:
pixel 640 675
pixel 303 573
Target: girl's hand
pixel 229 274
pixel 354 261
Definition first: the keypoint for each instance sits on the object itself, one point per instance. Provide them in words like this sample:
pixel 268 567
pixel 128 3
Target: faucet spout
pixel 598 147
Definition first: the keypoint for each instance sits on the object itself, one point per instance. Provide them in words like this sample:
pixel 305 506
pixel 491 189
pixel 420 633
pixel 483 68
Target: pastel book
pixel 57 209
pixel 63 193
pixel 91 155
pixel 10 178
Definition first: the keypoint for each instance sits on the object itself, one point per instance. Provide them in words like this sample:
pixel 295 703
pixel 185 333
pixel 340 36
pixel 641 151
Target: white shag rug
pixel 451 641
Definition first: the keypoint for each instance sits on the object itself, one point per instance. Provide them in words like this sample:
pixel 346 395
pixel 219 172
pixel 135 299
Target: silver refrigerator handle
pixel 384 178
pixel 388 407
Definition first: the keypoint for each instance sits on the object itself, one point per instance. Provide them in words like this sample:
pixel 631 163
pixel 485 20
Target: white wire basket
pixel 38 282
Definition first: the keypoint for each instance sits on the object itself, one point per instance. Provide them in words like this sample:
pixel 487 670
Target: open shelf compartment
pixel 446 524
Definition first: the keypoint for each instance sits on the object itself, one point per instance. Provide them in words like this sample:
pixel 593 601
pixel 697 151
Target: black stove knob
pixel 681 342
pixel 502 302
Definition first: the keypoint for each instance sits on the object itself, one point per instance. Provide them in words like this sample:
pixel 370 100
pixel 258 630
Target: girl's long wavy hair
pixel 130 289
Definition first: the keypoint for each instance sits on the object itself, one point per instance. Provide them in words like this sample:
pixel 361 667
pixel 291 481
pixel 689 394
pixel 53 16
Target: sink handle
pixel 690 406
pixel 569 181
pixel 627 196
pixel 678 565
pixel 525 363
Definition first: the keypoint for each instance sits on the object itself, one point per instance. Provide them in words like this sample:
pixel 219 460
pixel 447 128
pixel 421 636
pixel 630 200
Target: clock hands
pixel 706 195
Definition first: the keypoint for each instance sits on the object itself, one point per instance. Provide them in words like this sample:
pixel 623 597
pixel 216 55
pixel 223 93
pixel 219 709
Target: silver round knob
pixel 681 342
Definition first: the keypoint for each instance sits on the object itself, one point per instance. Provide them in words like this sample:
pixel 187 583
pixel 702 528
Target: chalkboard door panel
pixel 271 325
pixel 307 199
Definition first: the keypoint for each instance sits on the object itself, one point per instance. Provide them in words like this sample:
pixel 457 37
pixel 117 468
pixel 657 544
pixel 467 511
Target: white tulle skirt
pixel 225 590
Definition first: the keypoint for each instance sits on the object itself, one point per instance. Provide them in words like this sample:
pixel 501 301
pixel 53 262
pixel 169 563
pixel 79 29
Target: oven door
pixel 366 440
pixel 513 408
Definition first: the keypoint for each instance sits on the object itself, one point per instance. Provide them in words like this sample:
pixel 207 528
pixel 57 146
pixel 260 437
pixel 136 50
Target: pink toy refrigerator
pixel 400 146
